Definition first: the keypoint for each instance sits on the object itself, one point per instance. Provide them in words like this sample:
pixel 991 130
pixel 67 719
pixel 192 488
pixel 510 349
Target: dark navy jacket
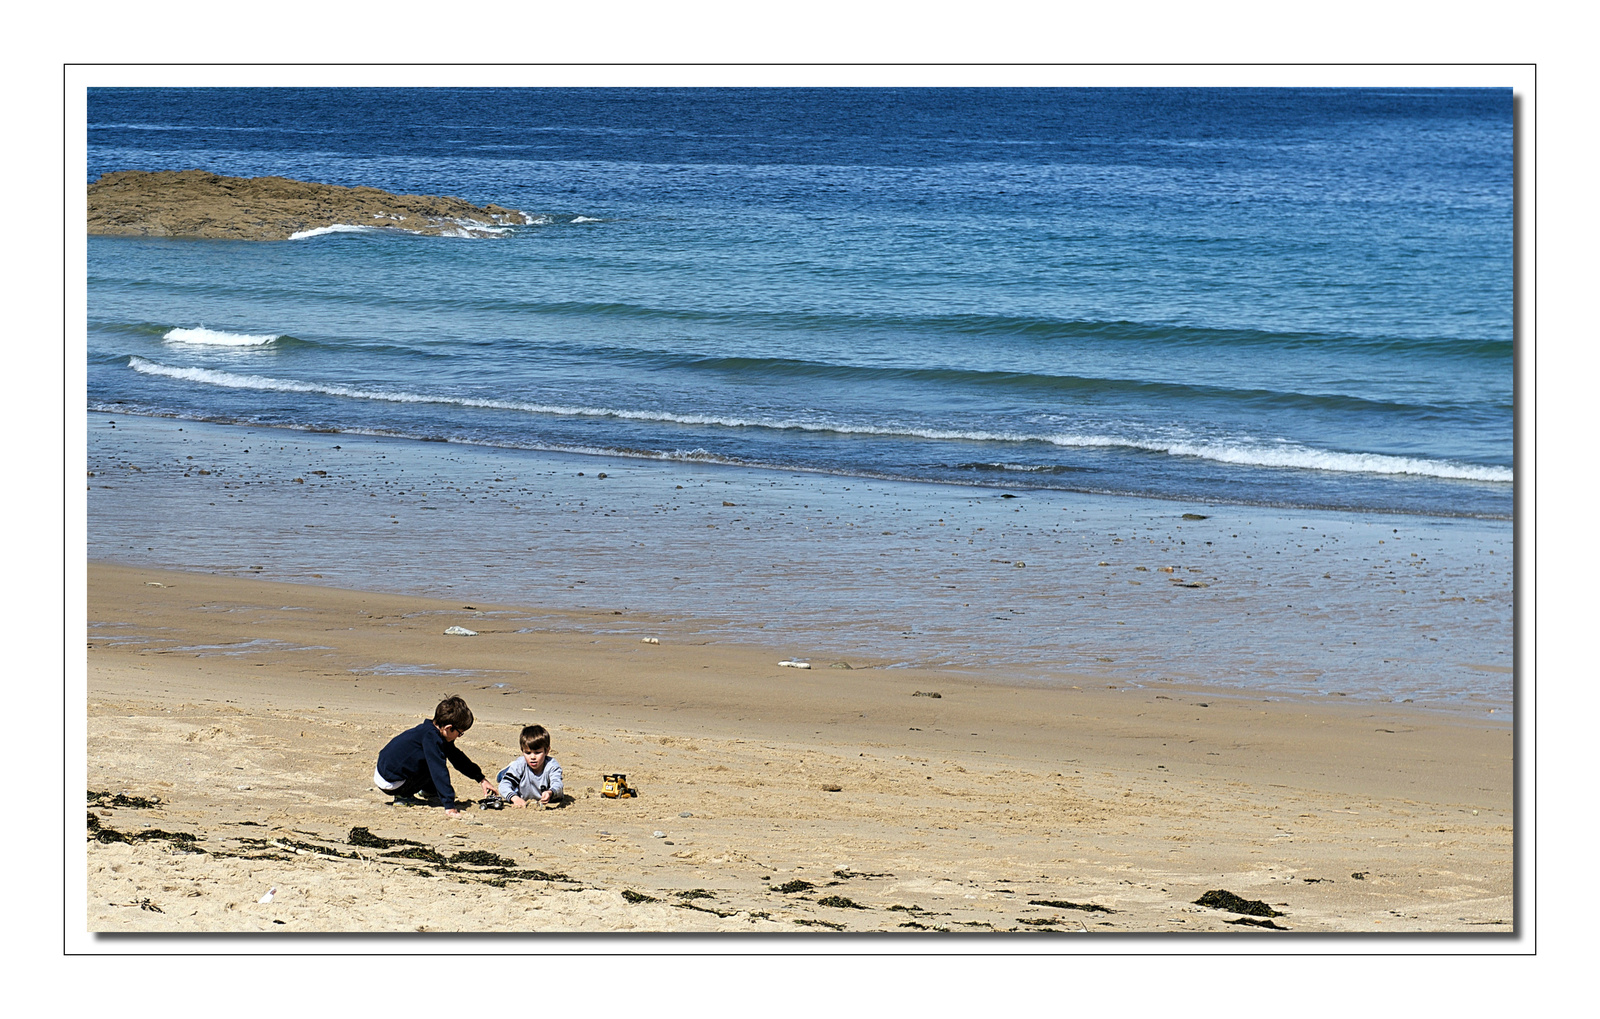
pixel 418 755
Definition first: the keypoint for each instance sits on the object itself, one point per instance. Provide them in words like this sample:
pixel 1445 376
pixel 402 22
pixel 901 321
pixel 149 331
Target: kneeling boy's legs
pixel 422 784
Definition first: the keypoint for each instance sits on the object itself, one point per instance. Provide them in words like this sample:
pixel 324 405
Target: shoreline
pixel 915 575
pixel 1018 485
pixel 980 803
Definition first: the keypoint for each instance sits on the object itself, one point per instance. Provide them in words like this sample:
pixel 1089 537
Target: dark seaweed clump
pixel 820 923
pixel 479 858
pixel 636 897
pixel 105 799
pixel 1221 899
pixel 268 844
pixel 1257 923
pixel 840 902
pixel 696 893
pixel 495 870
pixel 422 853
pixel 845 875
pixel 1087 907
pixel 796 886
pixel 537 875
pixel 363 837
pixel 103 833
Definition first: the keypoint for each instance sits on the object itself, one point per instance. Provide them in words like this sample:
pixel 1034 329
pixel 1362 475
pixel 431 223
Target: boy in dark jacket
pixel 414 761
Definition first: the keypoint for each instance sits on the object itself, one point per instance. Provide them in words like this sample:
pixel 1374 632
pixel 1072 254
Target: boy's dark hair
pixel 453 711
pixel 535 737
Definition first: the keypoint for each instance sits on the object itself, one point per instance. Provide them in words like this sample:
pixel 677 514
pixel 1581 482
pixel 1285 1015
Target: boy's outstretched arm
pixel 512 780
pixel 554 792
pixel 467 767
pixel 440 774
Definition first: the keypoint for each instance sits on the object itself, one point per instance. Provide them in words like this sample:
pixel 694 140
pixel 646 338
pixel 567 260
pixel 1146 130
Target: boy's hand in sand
pixel 517 801
pixel 544 797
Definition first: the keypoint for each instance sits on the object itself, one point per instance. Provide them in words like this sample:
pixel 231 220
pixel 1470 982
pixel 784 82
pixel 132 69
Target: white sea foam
pixel 475 228
pixel 584 219
pixel 337 228
pixel 1242 452
pixel 504 218
pixel 217 337
pixel 457 228
pixel 1289 454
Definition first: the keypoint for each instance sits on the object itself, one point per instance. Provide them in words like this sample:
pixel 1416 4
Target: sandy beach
pixel 253 711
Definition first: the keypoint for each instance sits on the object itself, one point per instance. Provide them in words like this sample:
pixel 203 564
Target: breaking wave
pixel 1242 451
pixel 218 337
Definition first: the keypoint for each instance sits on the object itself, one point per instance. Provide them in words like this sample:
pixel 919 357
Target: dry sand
pixel 992 807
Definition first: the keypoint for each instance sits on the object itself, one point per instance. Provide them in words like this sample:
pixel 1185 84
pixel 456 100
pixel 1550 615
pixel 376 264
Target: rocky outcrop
pixel 194 203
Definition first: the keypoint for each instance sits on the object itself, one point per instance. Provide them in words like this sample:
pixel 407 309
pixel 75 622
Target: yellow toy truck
pixel 616 786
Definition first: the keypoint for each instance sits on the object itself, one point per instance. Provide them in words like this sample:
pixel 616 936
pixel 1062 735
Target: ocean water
pixel 1200 386
pixel 1283 298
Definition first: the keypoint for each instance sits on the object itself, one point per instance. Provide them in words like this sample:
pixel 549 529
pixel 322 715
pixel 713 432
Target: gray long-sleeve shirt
pixel 517 779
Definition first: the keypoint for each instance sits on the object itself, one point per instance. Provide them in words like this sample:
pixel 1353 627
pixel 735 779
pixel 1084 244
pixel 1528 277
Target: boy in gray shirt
pixel 535 777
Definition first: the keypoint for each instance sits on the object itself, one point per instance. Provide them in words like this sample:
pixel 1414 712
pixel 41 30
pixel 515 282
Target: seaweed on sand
pixel 1226 900
pixel 636 897
pixel 105 799
pixel 840 902
pixel 533 875
pixel 473 864
pixel 295 846
pixel 1087 907
pixel 364 838
pixel 422 853
pixel 479 858
pixel 104 833
pixel 1257 923
pixel 795 886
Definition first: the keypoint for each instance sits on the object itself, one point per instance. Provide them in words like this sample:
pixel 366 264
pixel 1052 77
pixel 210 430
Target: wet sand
pixel 1044 585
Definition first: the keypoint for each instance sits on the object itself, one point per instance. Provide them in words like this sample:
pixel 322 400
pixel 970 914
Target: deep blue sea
pixel 1279 297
